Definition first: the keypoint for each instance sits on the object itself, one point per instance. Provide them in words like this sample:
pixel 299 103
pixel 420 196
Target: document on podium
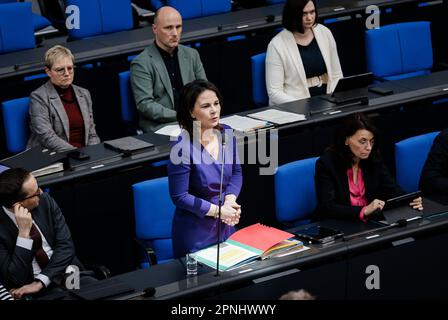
pixel 277 116
pixel 247 244
pixel 245 124
pixel 172 130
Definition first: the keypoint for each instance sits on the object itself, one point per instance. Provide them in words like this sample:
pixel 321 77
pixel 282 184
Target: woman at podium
pixel 205 150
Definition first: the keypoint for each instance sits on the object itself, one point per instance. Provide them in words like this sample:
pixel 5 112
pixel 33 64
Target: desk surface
pixel 170 281
pixel 317 111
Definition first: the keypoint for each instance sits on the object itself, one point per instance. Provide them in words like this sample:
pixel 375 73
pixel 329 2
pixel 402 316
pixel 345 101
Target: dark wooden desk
pixel 411 261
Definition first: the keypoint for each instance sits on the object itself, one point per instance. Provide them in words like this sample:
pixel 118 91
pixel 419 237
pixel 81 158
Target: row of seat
pixel 96 17
pixel 295 196
pixel 393 52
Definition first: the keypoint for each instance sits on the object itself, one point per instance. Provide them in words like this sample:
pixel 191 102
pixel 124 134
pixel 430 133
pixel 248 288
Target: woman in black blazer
pixel 351 179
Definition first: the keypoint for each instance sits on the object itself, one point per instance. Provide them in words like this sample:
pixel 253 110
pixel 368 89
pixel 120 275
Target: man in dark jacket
pixel 35 243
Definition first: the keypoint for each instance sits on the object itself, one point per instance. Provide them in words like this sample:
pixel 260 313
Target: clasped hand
pixel 231 213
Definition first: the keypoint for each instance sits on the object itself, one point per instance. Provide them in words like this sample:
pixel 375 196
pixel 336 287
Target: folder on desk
pixel 247 244
pixel 128 145
pixel 38 160
pixel 245 124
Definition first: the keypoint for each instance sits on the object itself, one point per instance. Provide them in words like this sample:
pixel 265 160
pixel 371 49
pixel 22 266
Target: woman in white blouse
pixel 302 60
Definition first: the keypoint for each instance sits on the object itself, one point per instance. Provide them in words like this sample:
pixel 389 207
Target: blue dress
pixel 194 178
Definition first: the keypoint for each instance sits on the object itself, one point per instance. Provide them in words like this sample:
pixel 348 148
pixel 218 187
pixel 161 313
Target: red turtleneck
pixel 76 122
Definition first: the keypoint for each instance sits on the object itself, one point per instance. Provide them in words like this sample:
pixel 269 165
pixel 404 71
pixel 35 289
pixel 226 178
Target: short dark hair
pixel 293 12
pixel 11 183
pixel 187 99
pixel 350 125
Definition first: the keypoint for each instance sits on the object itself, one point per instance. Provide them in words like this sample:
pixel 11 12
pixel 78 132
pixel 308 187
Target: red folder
pixel 260 236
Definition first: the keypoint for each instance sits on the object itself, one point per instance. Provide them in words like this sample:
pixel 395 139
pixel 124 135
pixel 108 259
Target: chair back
pixel 154 213
pixel 100 17
pixel 410 156
pixel 295 194
pixel 195 8
pixel 400 50
pixel 16 27
pixel 259 92
pixel 16 123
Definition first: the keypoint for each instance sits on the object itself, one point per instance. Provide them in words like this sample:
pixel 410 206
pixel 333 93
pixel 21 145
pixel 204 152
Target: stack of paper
pixel 246 245
pixel 172 130
pixel 52 168
pixel 278 116
pixel 244 124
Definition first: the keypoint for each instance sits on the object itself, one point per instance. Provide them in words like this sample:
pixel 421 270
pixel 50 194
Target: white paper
pixel 243 124
pixel 172 130
pixel 230 255
pixel 278 116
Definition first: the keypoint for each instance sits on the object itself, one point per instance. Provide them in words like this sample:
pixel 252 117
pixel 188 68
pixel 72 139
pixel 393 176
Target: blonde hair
pixel 56 52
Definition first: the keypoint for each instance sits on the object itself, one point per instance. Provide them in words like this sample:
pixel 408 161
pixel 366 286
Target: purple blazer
pixel 194 178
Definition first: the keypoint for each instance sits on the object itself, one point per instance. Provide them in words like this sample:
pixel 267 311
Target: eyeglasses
pixel 38 193
pixel 61 71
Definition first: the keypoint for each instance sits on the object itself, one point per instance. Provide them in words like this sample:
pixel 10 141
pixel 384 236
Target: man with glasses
pixel 61 116
pixel 35 242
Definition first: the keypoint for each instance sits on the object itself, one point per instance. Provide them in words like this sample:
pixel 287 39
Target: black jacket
pixel 16 262
pixel 434 176
pixel 332 188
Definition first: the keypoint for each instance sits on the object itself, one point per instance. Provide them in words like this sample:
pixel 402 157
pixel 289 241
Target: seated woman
pixel 61 113
pixel 434 176
pixel 302 60
pixel 194 171
pixel 352 180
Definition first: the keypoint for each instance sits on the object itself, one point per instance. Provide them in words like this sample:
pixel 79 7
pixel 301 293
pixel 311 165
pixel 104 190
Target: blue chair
pixel 128 108
pixel 295 194
pixel 16 27
pixel 101 16
pixel 274 1
pixel 259 92
pixel 399 50
pixel 154 213
pixel 410 156
pixel 195 8
pixel 211 7
pixel 15 123
pixel 39 22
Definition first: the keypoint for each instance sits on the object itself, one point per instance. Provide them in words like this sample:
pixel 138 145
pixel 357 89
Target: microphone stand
pixel 220 202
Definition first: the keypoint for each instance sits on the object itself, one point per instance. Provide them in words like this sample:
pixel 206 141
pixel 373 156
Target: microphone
pixel 220 200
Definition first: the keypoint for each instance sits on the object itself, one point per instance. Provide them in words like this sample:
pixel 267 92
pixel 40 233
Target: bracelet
pixel 216 215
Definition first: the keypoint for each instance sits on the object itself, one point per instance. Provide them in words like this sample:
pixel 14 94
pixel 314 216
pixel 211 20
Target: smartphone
pixel 78 155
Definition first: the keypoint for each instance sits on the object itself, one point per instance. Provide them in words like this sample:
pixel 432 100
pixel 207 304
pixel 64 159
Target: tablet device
pixel 318 234
pixel 402 200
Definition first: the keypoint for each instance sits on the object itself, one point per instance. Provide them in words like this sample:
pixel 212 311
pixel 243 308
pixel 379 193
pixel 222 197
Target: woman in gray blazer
pixel 61 113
